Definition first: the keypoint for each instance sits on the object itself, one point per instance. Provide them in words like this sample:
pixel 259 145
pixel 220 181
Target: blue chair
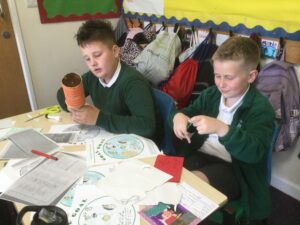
pixel 269 157
pixel 236 205
pixel 166 105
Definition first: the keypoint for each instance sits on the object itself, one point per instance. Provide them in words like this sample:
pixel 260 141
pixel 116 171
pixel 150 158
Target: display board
pixel 52 11
pixel 272 18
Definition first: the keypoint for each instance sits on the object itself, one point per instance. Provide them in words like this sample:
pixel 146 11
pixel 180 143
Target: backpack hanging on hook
pixel 193 43
pixel 182 82
pixel 157 59
pixel 278 81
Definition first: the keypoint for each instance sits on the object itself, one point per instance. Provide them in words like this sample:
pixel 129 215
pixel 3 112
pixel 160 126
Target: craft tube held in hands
pixel 73 90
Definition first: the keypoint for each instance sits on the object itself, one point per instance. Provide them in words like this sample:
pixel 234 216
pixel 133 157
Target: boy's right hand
pixel 86 114
pixel 70 109
pixel 180 122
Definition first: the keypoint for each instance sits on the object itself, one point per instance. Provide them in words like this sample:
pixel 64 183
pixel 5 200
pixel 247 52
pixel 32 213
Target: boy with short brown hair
pixel 123 101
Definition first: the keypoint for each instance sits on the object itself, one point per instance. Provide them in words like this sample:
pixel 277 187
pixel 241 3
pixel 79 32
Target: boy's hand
pixel 209 125
pixel 180 122
pixel 87 115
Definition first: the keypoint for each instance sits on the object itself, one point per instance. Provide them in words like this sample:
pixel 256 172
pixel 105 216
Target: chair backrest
pixel 269 156
pixel 166 105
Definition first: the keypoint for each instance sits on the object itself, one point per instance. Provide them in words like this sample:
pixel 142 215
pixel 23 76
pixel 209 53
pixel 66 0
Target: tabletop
pixel 65 118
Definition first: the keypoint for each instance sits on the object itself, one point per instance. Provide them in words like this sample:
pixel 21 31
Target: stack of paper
pixel 46 183
pixel 48 172
pixel 23 142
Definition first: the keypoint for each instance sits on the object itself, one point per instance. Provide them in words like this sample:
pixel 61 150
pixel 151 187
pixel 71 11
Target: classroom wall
pixel 51 52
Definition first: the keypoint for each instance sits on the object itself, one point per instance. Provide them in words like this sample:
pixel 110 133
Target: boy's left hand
pixel 87 115
pixel 209 125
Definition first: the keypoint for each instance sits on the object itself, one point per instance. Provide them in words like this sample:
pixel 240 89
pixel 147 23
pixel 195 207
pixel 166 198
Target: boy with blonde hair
pixel 233 126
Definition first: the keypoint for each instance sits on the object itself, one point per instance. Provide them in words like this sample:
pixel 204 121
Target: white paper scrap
pixel 6 123
pixel 131 179
pixel 167 193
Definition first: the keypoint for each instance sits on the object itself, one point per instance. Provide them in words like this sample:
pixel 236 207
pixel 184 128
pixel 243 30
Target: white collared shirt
pixel 212 146
pixel 113 78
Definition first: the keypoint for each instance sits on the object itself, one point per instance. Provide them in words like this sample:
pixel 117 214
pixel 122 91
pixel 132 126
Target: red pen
pixel 44 154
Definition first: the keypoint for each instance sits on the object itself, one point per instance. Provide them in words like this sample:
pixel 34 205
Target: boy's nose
pixel 94 62
pixel 222 82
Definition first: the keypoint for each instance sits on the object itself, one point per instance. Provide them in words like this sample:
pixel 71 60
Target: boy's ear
pixel 252 76
pixel 116 50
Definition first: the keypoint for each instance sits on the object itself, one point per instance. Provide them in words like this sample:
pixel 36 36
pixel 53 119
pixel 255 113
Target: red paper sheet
pixel 171 165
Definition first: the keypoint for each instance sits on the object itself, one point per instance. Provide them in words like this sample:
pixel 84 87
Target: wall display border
pixel 225 27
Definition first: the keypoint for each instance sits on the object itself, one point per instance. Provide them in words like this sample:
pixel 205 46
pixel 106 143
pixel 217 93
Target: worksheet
pixel 22 143
pixel 93 207
pixel 47 182
pixel 69 138
pixel 164 214
pixel 84 203
pixel 196 202
pixel 192 209
pixel 90 177
pixel 108 147
pixel 76 133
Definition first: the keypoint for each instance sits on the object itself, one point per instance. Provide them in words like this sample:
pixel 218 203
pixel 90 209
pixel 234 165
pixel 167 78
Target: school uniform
pixel 126 103
pixel 247 142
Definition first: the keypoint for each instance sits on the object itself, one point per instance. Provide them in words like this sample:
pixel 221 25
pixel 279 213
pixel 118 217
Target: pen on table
pixel 44 154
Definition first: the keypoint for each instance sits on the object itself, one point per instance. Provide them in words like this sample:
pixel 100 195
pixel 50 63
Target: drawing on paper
pixel 90 177
pixel 123 147
pixel 106 211
pixel 62 137
pixel 85 131
pixel 110 147
pixel 165 214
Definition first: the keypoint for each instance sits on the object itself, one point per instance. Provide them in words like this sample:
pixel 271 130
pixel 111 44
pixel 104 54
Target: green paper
pixel 78 7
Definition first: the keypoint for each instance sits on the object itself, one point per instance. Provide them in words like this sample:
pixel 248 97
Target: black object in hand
pixel 190 128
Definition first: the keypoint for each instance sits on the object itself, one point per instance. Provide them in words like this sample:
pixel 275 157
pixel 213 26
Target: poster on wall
pixel 53 11
pixel 146 6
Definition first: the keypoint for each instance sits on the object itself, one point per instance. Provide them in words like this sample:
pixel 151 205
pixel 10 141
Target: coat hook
pixel 176 27
pixel 140 23
pixel 281 42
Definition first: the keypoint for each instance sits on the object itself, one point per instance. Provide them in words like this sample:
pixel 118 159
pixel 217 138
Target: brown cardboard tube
pixel 73 90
